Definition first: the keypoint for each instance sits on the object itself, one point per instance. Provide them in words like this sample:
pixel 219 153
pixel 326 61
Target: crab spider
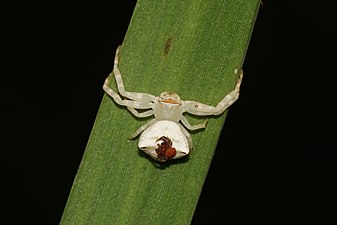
pixel 165 136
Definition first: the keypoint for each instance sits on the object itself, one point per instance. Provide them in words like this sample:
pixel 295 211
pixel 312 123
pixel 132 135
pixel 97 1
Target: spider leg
pixel 142 128
pixel 120 85
pixel 200 109
pixel 143 114
pixel 193 127
pixel 125 102
pixel 187 135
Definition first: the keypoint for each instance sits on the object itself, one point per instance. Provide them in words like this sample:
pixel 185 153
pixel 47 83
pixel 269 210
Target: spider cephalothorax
pixel 165 136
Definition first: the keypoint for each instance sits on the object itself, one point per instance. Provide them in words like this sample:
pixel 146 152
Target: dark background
pixel 276 159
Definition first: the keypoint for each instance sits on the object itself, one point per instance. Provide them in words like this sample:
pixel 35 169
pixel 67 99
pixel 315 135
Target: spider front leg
pixel 120 84
pixel 200 109
pixel 126 102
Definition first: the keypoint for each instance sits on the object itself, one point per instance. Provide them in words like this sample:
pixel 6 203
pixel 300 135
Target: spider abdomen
pixel 163 141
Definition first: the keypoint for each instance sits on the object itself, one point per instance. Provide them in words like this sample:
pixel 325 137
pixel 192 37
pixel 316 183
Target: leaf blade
pixel 188 47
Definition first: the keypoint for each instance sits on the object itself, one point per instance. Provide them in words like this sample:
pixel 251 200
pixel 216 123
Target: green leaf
pixel 193 48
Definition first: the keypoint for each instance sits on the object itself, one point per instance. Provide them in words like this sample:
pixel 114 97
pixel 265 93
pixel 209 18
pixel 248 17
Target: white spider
pixel 164 138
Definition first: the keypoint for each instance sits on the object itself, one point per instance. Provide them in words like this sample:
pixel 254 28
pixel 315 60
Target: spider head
pixel 169 97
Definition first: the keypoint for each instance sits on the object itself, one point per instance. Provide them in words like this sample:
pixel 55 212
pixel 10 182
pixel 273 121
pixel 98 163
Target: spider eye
pixel 164 95
pixel 171 96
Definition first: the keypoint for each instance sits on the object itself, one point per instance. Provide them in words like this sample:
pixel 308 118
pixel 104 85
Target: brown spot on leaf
pixel 168 45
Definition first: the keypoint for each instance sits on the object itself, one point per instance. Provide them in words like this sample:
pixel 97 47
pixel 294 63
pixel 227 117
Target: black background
pixel 276 159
